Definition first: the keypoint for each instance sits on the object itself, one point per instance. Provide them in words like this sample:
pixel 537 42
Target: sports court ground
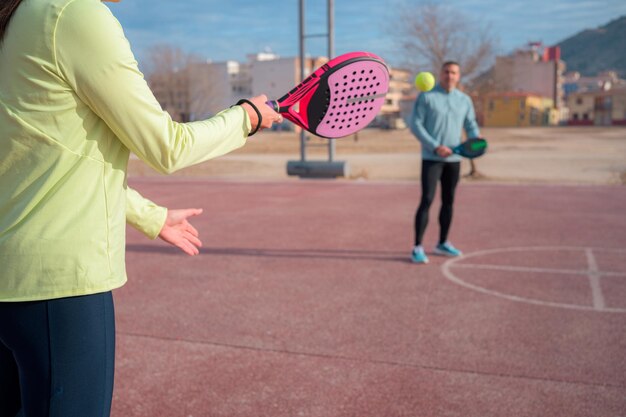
pixel 303 301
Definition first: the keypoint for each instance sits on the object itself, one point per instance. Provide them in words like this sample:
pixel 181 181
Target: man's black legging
pixel 57 357
pixel 432 172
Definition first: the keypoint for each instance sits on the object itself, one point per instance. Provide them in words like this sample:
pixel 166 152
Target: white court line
pixel 453 263
pixel 594 281
pixel 542 270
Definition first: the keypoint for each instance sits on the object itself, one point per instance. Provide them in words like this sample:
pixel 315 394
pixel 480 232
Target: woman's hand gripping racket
pixel 338 99
pixel 471 148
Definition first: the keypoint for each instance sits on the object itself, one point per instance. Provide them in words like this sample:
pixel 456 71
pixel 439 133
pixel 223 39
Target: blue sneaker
pixel 419 257
pixel 446 249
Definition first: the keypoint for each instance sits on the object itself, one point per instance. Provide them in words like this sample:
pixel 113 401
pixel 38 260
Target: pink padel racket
pixel 339 98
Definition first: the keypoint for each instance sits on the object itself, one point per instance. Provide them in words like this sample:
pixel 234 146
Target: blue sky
pixel 231 29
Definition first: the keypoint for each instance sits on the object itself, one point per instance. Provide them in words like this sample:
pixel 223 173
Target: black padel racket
pixel 471 148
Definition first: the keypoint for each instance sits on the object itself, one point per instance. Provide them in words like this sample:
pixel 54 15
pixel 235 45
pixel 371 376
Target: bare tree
pixel 430 34
pixel 181 82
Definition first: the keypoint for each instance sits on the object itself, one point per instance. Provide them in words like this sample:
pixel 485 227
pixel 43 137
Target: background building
pixel 574 82
pixel 599 108
pixel 534 69
pixel 519 87
pixel 519 109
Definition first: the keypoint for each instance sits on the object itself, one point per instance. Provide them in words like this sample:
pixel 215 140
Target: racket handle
pixel 273 105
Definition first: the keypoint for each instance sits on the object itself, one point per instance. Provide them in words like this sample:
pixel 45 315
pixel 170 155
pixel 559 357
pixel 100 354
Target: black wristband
pixel 258 113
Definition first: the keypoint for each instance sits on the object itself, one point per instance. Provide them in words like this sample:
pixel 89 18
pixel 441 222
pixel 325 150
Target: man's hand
pixel 443 151
pixel 179 232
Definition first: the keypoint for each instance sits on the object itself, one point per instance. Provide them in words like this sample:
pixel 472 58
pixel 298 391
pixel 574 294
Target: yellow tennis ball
pixel 425 81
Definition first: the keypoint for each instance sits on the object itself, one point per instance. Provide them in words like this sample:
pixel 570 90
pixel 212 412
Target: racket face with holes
pixel 471 148
pixel 340 98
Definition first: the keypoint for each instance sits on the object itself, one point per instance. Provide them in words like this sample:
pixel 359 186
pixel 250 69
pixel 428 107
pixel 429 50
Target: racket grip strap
pixel 273 105
pixel 258 113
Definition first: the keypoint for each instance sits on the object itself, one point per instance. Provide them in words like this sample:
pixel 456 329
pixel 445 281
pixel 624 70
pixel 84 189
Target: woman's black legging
pixel 57 357
pixel 433 171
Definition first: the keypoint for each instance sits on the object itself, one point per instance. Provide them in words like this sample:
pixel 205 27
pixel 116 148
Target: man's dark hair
pixel 448 63
pixel 7 8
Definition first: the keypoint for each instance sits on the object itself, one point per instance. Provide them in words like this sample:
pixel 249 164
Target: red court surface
pixel 303 302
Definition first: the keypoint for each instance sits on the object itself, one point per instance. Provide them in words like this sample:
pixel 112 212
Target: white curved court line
pixel 593 273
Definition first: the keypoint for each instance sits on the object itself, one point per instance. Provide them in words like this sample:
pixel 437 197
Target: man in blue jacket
pixel 438 118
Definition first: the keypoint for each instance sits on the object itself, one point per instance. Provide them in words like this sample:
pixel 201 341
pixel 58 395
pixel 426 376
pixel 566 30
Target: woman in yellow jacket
pixel 73 105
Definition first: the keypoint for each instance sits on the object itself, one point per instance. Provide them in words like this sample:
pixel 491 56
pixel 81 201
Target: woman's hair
pixel 7 8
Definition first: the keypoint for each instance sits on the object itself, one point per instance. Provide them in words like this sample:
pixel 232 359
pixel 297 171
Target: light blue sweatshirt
pixel 438 118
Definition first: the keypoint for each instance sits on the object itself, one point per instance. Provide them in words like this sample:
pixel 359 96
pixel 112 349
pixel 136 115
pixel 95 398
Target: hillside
pixel 595 50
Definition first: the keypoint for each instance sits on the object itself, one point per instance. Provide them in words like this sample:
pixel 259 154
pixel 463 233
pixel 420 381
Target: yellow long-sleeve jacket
pixel 73 105
pixel 143 214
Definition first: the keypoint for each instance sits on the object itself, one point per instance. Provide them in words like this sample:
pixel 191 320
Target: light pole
pixel 319 169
